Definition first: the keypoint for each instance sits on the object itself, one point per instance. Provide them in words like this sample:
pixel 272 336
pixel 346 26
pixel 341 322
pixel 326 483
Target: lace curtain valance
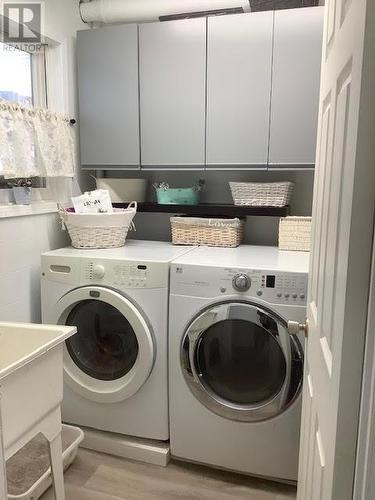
pixel 35 142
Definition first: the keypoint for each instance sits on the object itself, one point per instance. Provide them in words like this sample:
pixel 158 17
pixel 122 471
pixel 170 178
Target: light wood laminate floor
pixel 95 476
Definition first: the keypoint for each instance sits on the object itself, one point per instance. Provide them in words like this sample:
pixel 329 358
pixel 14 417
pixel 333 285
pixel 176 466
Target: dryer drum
pixel 241 363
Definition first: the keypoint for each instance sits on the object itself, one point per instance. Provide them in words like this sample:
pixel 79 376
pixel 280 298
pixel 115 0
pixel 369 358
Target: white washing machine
pixel 115 368
pixel 235 372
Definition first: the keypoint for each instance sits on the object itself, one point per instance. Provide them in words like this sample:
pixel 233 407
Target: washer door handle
pixel 294 328
pixel 193 342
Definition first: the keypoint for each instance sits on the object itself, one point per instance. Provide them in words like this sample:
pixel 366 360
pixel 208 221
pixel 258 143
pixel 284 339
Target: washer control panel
pixel 275 287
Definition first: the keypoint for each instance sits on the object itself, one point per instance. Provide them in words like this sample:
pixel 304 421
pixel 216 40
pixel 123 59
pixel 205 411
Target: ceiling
pixel 257 5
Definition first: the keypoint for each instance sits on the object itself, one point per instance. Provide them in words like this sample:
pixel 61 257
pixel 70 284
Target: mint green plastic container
pixel 178 196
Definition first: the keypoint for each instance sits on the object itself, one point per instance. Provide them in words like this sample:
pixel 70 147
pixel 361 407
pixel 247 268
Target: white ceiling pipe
pixel 131 11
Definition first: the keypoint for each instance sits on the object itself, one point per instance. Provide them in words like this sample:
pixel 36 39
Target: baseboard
pixel 142 450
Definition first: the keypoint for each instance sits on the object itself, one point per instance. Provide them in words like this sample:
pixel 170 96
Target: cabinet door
pixel 295 86
pixel 172 91
pixel 109 96
pixel 238 89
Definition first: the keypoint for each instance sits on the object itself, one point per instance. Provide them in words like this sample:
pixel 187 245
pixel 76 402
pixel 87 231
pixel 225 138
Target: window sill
pixel 36 208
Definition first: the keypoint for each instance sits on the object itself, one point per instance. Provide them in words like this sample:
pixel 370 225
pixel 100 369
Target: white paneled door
pixel 341 252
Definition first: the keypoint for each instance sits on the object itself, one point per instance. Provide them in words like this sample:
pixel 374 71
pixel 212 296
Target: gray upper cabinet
pixel 109 97
pixel 172 93
pixel 295 86
pixel 237 91
pixel 239 66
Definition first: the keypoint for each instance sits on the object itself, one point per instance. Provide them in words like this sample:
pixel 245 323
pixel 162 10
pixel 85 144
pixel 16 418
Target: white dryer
pixel 235 372
pixel 115 369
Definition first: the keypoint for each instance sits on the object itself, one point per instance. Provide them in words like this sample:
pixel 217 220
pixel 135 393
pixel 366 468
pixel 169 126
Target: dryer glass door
pixel 113 352
pixel 241 363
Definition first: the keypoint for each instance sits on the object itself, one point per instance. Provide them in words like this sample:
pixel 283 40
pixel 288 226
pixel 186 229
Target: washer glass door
pixel 105 346
pixel 113 352
pixel 241 363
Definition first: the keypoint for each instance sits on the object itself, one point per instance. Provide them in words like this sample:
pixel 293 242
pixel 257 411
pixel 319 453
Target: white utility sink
pixel 31 391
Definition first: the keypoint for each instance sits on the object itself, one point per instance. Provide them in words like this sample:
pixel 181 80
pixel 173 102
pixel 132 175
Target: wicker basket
pixel 295 233
pixel 108 230
pixel 265 194
pixel 210 232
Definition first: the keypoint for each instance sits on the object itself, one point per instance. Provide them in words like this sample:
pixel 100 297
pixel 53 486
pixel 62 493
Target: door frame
pixel 364 482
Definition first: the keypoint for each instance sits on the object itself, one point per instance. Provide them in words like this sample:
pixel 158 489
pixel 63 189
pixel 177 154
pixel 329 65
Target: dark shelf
pixel 210 209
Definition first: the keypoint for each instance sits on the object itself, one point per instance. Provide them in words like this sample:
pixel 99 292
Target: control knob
pixel 98 271
pixel 241 282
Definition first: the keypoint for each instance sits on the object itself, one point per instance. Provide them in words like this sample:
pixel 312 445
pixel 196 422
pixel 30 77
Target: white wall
pixel 23 239
pixel 62 21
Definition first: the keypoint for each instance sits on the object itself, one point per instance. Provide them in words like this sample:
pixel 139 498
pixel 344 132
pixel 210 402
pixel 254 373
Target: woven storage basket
pixel 266 194
pixel 295 233
pixel 210 232
pixel 108 230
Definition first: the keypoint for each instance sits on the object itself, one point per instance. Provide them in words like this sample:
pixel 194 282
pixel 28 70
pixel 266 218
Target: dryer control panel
pixel 275 287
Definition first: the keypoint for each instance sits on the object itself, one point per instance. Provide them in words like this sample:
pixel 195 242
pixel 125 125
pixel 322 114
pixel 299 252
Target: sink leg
pixel 3 480
pixel 56 457
pixel 3 474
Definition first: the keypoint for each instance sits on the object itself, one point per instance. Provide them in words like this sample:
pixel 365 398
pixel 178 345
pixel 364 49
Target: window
pixel 22 80
pixel 16 75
